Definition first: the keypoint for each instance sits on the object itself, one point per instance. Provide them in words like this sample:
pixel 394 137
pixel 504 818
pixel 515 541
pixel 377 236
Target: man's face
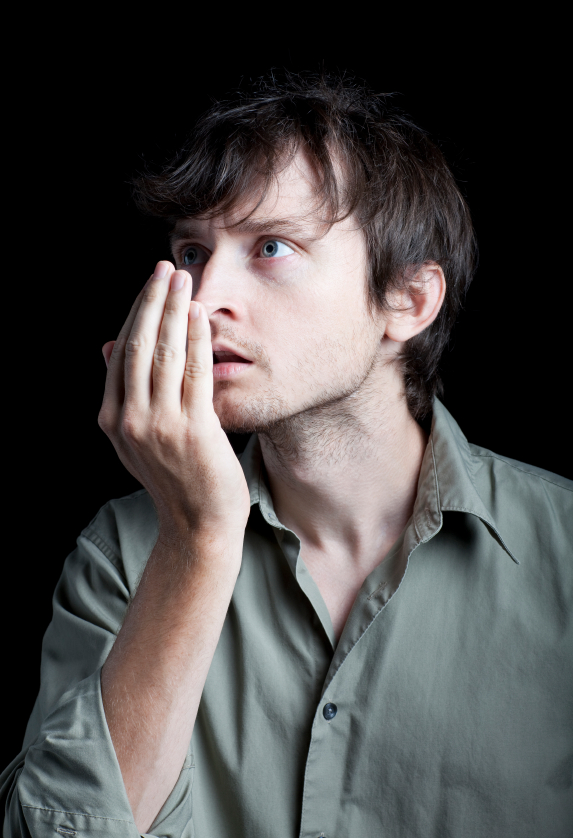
pixel 288 294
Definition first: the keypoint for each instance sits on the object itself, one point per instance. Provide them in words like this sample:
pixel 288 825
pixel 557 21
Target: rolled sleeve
pixel 67 780
pixel 71 778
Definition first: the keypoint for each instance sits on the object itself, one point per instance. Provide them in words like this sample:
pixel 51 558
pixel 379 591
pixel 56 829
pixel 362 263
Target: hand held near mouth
pixel 158 412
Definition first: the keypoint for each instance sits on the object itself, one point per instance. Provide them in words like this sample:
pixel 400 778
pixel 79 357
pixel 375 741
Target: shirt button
pixel 329 711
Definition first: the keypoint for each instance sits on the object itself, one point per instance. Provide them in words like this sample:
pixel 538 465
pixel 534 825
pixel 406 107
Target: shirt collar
pixel 252 462
pixel 446 482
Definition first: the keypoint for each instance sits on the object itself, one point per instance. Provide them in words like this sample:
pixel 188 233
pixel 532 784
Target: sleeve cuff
pixel 72 782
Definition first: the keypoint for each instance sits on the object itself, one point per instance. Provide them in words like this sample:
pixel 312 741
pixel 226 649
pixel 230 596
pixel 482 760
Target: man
pixel 361 628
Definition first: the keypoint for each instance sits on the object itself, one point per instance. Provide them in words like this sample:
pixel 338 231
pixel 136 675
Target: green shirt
pixel 445 709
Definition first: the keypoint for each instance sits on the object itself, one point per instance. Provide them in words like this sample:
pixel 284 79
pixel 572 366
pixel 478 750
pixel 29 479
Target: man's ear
pixel 415 306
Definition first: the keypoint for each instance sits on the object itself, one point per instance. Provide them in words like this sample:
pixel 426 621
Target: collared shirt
pixel 444 709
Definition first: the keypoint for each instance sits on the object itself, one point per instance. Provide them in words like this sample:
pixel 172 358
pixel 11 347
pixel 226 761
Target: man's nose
pixel 220 285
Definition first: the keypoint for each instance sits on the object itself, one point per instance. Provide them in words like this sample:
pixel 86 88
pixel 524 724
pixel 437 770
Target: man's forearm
pixel 153 679
pixel 158 412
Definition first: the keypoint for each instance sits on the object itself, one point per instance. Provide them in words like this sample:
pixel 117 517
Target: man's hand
pixel 158 411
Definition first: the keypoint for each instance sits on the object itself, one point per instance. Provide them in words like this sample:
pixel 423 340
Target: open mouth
pixel 228 358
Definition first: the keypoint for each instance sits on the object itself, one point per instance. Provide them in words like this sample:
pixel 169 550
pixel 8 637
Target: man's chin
pixel 247 417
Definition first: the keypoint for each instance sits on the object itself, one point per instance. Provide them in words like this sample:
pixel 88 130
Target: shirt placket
pixel 336 711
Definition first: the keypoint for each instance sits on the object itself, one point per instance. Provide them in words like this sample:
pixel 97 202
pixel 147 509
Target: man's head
pixel 373 217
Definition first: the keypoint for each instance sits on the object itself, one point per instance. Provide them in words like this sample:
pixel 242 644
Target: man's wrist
pixel 197 544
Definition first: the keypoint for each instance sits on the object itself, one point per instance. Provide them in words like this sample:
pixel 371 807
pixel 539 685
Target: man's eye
pixel 275 248
pixel 194 256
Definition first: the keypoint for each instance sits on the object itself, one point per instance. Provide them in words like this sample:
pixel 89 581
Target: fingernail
pixel 194 311
pixel 178 280
pixel 105 359
pixel 161 270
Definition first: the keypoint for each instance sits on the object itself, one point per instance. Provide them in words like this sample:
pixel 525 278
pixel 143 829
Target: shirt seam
pixel 106 551
pixel 79 814
pixel 92 535
pixel 462 509
pixel 524 471
pixel 258 486
pixel 436 481
pixel 428 523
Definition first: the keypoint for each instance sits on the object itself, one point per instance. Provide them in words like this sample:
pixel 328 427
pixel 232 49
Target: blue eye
pixel 194 256
pixel 275 248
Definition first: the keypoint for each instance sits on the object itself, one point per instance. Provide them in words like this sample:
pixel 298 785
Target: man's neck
pixel 344 477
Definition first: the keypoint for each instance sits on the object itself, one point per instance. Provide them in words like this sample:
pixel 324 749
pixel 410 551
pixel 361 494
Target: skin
pixel 324 393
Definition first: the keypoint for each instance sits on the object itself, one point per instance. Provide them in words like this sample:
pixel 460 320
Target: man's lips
pixel 227 363
pixel 223 354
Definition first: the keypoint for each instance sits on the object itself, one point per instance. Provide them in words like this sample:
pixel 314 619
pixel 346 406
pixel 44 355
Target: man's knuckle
pixel 194 369
pixel 162 433
pixel 131 428
pixel 151 293
pixel 134 345
pixel 173 305
pixel 164 353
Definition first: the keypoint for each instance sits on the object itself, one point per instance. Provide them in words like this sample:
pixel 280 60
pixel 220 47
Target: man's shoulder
pixel 532 507
pixel 530 477
pixel 125 531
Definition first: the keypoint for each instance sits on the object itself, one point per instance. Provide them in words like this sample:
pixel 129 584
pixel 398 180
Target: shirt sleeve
pixel 67 780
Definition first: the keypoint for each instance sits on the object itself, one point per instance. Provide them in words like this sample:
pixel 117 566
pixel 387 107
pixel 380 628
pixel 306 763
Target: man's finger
pixel 114 382
pixel 142 340
pixel 197 400
pixel 169 355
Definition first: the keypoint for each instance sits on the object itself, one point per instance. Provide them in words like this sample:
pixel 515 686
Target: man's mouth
pixel 228 365
pixel 228 357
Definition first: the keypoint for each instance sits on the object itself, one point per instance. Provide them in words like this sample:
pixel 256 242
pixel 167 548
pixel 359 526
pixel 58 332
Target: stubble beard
pixel 329 426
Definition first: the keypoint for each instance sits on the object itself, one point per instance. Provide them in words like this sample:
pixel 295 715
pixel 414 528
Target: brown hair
pixel 395 182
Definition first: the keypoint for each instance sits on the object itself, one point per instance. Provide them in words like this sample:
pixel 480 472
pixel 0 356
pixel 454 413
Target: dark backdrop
pixel 85 116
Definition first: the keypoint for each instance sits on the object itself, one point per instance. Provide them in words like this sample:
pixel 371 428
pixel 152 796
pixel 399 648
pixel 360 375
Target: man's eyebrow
pixel 254 226
pixel 260 226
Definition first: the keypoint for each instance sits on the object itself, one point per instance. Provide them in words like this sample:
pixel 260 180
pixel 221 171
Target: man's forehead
pixel 292 206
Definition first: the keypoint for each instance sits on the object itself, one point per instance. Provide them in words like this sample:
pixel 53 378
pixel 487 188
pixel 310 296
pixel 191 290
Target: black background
pixel 90 106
